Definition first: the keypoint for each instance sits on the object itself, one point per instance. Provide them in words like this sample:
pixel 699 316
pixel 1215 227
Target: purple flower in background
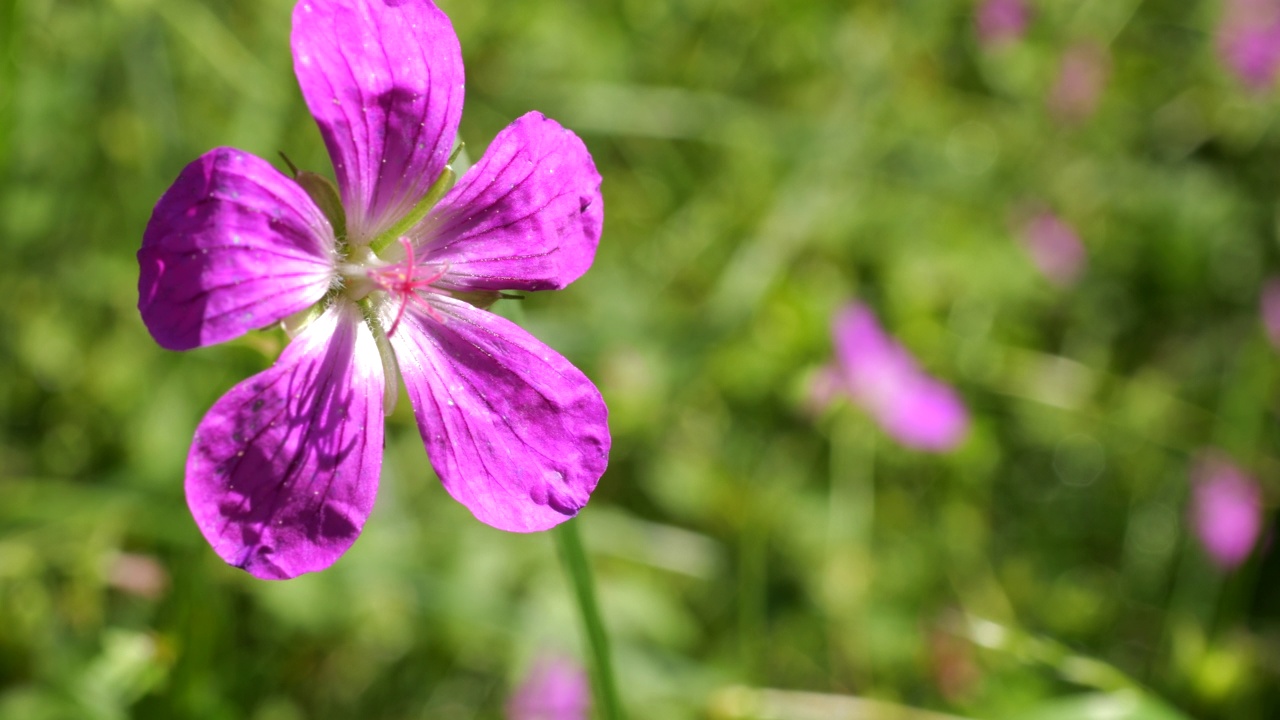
pixel 1253 53
pixel 138 575
pixel 1054 247
pixel 1226 510
pixel 376 279
pixel 1001 21
pixel 882 377
pixel 1082 76
pixel 556 689
pixel 1249 40
pixel 1270 302
pixel 823 387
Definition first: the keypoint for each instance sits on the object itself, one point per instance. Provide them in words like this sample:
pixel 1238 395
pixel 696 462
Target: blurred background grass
pixel 764 162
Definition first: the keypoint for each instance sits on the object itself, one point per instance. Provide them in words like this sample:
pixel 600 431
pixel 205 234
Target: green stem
pixel 575 562
pixel 753 601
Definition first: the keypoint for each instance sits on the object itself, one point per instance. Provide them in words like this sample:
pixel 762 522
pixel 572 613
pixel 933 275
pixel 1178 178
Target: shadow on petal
pixel 284 468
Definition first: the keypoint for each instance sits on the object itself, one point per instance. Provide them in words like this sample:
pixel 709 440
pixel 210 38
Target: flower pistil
pixel 406 280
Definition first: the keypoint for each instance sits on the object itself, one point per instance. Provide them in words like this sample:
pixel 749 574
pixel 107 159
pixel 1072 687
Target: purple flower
pixel 1054 247
pixel 882 377
pixel 382 280
pixel 1226 510
pixel 1082 76
pixel 1001 21
pixel 1249 40
pixel 556 689
pixel 1270 302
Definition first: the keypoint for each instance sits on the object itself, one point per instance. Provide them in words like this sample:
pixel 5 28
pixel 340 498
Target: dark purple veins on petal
pixel 528 216
pixel 384 81
pixel 516 433
pixel 233 245
pixel 283 469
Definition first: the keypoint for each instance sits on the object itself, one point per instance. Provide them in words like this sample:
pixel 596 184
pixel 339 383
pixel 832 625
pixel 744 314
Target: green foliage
pixel 764 162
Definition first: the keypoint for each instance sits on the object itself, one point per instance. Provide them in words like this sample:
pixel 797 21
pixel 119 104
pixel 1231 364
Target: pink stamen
pixel 403 280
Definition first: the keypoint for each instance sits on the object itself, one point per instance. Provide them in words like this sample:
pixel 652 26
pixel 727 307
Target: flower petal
pixel 384 80
pixel 284 468
pixel 527 216
pixel 916 409
pixel 864 350
pixel 556 688
pixel 1227 510
pixel 926 415
pixel 515 432
pixel 232 246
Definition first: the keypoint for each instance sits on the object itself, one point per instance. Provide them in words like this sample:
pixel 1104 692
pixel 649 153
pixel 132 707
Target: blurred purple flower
pixel 1055 248
pixel 555 689
pixel 1270 302
pixel 1226 510
pixel 138 574
pixel 381 272
pixel 1249 40
pixel 882 377
pixel 1001 21
pixel 1082 76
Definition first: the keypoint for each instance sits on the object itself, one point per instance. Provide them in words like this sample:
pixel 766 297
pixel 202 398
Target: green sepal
pixel 297 322
pixel 482 299
pixel 442 185
pixel 325 195
pixel 390 368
